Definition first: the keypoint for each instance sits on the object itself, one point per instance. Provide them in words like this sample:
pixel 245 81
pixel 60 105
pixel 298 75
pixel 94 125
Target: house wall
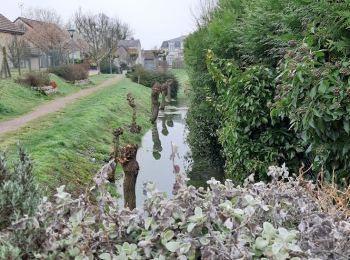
pixel 122 55
pixel 34 63
pixel 175 54
pixel 76 55
pixel 139 59
pixel 5 40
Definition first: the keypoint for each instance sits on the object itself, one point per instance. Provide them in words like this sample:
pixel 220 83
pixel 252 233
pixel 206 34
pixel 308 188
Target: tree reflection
pixel 157 145
pixel 165 130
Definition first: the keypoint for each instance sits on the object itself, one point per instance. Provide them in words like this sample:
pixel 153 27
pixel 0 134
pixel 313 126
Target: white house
pixel 174 47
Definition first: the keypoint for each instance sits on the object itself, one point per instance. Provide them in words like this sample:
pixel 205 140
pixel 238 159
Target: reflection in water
pixel 165 130
pixel 161 171
pixel 157 144
pixel 202 171
pixel 170 123
pixel 161 157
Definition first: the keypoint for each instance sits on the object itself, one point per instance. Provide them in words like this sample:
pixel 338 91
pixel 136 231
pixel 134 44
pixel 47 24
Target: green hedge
pixel 302 105
pixel 149 77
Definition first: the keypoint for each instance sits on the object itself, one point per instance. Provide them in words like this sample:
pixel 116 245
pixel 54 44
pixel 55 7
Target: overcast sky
pixel 152 21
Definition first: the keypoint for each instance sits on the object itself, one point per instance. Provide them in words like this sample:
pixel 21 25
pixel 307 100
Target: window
pixel 171 46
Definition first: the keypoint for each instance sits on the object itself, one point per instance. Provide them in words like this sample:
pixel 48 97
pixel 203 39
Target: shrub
pixel 314 93
pixel 149 77
pixel 311 98
pixel 124 66
pixel 251 139
pixel 19 194
pixel 34 79
pixel 104 67
pixel 279 220
pixel 71 72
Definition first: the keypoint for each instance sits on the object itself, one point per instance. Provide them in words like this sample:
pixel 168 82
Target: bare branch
pixel 101 33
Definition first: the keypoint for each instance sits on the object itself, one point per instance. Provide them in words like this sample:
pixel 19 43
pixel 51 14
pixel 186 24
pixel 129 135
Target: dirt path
pixel 52 106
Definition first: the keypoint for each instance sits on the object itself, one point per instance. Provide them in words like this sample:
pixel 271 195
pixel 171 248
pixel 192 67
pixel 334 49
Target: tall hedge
pixel 277 84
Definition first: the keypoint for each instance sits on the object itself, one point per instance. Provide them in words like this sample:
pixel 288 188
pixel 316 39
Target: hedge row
pixel 149 77
pixel 273 87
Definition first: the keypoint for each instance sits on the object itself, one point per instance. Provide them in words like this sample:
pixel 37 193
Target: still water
pixel 154 154
pixel 156 149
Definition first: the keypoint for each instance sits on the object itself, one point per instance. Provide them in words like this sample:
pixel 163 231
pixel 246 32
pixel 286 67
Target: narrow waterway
pixel 154 154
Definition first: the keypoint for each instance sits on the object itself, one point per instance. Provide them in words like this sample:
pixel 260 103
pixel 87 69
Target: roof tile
pixel 7 26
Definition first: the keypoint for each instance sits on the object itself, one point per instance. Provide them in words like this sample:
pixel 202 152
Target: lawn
pixel 16 99
pixel 68 147
pixel 184 88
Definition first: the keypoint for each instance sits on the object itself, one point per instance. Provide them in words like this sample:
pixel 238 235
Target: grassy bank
pixel 70 146
pixel 184 85
pixel 16 99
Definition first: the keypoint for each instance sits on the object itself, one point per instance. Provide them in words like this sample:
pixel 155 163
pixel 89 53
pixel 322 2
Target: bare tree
pixel 18 50
pixel 50 38
pixel 49 35
pixel 204 12
pixel 101 32
pixel 43 15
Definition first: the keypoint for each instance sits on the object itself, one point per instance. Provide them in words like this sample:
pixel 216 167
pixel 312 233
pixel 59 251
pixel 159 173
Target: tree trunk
pixel 18 56
pixel 131 168
pixel 134 128
pixel 156 89
pixel 5 70
pixel 116 133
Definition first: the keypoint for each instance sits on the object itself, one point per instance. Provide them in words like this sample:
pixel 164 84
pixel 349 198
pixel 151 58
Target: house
pixel 50 45
pixel 174 48
pixel 150 59
pixel 129 52
pixel 8 32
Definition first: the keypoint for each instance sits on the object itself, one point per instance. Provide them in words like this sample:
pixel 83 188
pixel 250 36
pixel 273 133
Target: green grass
pixel 16 100
pixel 63 145
pixel 184 85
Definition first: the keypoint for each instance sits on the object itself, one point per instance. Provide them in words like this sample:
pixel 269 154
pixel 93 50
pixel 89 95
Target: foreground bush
pixel 71 72
pixel 149 77
pixel 279 220
pixel 19 195
pixel 34 79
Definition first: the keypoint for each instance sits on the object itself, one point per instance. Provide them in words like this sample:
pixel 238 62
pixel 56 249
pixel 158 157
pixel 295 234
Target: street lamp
pixel 71 33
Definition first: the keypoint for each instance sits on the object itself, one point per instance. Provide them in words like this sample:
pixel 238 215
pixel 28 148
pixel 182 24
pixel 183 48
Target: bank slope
pixel 70 146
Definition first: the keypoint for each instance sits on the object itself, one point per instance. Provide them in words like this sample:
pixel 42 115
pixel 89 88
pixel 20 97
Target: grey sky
pixel 152 21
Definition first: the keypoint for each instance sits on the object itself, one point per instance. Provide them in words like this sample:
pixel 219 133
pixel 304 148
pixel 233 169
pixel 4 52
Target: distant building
pixel 50 45
pixel 47 41
pixel 129 52
pixel 174 47
pixel 150 59
pixel 8 32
